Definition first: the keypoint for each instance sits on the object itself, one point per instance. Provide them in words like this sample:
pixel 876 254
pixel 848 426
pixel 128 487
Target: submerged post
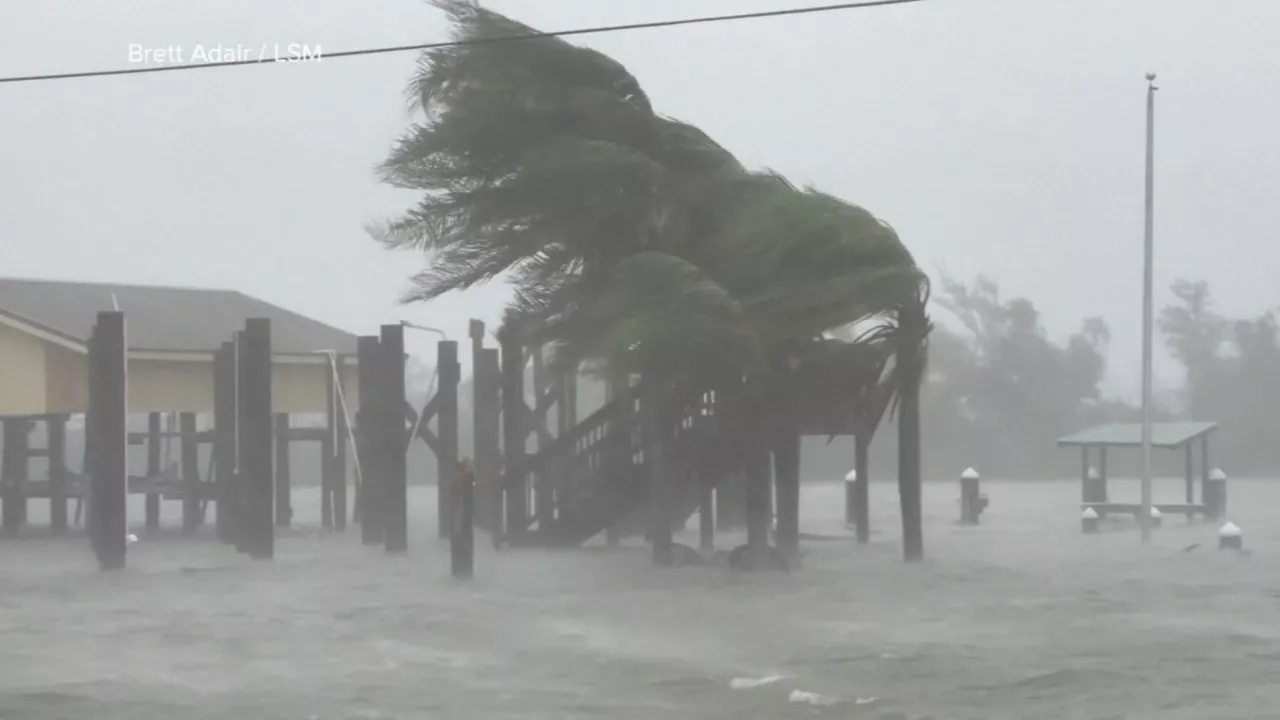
pixel 284 473
pixel 224 439
pixel 255 437
pixel 488 441
pixel 514 424
pixel 154 441
pixel 395 440
pixel 56 430
pixel 108 371
pixel 189 454
pixel 706 513
pixel 462 540
pixel 449 374
pixel 341 434
pixel 369 440
pixel 13 473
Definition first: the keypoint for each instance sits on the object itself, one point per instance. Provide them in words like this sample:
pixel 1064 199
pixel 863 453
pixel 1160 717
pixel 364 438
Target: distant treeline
pixel 1000 391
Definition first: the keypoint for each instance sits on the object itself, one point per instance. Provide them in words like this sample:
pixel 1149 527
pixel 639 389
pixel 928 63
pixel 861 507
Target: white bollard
pixel 850 498
pixel 970 497
pixel 1157 517
pixel 1089 521
pixel 1230 537
pixel 1215 494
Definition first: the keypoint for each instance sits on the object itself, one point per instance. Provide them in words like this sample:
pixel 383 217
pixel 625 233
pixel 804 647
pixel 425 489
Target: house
pixel 172 334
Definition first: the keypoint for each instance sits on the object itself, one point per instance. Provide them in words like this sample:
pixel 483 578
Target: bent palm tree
pixel 630 238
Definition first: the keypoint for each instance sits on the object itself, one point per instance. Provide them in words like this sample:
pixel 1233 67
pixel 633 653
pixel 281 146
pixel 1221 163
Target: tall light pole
pixel 1148 252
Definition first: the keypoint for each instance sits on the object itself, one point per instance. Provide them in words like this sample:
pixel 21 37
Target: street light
pixel 1148 252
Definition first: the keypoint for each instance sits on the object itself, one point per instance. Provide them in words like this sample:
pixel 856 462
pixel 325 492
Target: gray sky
pixel 997 136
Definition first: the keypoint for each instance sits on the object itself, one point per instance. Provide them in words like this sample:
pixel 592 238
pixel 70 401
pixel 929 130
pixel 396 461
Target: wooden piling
pixel 284 475
pixel 448 375
pixel 244 521
pixel 13 474
pixel 514 419
pixel 224 439
pixel 488 441
pixel 658 428
pixel 341 434
pixel 255 437
pixel 756 482
pixel 369 441
pixel 862 486
pixel 189 449
pixel 706 513
pixel 56 434
pixel 154 441
pixel 786 463
pixel 395 439
pixel 462 541
pixel 109 411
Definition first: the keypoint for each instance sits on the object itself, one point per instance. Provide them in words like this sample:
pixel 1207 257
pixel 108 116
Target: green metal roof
pixel 1163 435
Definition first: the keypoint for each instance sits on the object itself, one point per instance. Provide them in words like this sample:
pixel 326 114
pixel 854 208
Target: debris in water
pixel 744 683
pixel 804 696
pixel 1190 547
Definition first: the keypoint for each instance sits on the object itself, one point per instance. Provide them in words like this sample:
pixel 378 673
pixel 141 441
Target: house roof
pixel 162 319
pixel 1163 435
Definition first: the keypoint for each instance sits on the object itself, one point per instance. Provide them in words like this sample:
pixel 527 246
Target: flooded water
pixel 1023 617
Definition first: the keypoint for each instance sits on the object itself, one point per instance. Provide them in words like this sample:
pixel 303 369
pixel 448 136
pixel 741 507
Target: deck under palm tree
pixel 636 244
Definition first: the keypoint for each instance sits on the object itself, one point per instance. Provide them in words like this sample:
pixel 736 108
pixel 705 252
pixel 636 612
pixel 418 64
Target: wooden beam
pixel 369 442
pixel 224 439
pixel 395 476
pixel 109 411
pixel 449 375
pixel 256 457
pixel 189 452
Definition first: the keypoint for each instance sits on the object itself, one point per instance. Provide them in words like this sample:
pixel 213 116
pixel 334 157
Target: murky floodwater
pixel 1022 617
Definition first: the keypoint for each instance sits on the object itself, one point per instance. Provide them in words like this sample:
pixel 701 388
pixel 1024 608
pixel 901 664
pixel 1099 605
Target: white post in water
pixel 1147 302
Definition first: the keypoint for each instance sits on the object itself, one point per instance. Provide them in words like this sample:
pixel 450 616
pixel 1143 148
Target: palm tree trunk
pixel 911 369
pixel 862 485
pixel 786 472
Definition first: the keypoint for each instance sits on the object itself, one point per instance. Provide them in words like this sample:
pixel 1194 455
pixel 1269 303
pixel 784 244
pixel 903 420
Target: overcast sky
pixel 998 136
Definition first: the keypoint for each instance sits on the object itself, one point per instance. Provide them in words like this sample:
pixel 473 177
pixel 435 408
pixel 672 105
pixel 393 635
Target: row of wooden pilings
pixel 250 503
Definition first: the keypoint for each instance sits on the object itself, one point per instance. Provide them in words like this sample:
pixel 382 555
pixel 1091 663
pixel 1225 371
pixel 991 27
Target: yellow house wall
pixel 166 385
pixel 67 373
pixel 22 373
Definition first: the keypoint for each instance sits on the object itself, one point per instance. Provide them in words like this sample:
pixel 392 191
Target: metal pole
pixel 1147 302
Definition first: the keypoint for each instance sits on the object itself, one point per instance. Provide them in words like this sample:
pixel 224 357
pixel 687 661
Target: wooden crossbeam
pixel 139 438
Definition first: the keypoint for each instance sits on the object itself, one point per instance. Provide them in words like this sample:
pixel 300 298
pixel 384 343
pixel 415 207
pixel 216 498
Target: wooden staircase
pixel 599 478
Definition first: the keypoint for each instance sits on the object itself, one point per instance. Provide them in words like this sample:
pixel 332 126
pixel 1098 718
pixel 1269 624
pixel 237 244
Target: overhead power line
pixel 476 41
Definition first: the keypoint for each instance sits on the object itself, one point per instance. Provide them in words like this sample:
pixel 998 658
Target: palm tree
pixel 631 238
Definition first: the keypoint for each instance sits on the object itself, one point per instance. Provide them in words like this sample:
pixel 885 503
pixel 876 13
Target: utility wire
pixel 474 41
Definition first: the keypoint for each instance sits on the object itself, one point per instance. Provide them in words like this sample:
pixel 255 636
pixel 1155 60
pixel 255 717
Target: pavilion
pixel 1182 436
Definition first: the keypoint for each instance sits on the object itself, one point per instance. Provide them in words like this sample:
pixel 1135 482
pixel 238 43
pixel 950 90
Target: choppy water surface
pixel 1021 618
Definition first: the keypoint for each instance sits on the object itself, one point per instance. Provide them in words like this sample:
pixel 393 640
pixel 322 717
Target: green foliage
pixel 630 238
